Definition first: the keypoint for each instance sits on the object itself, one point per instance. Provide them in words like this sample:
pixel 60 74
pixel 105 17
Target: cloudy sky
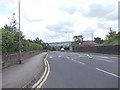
pixel 60 20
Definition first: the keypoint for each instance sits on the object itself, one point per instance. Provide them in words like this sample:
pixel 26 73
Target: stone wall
pixel 11 59
pixel 111 49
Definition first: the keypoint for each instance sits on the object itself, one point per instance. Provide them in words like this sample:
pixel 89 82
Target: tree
pixel 111 33
pixel 53 49
pixel 7 41
pixel 10 37
pixel 78 39
pixel 112 38
pixel 12 27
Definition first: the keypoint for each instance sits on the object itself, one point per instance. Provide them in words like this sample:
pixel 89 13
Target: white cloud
pixel 46 18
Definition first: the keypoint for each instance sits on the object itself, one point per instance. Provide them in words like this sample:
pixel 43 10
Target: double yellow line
pixel 44 77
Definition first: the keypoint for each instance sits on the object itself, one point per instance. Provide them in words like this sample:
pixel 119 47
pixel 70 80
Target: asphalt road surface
pixel 82 70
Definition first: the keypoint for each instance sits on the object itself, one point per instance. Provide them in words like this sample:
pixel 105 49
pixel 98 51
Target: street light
pixel 19 43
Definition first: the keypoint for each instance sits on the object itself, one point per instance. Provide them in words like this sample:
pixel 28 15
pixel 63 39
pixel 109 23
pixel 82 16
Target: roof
pixel 88 43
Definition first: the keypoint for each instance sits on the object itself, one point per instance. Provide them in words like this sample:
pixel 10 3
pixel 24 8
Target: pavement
pixel 82 70
pixel 18 76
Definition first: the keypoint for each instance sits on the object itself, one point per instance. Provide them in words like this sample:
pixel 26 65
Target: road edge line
pixel 45 71
pixel 40 85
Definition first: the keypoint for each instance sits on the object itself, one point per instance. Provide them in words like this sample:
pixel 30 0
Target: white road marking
pixel 68 57
pixel 105 57
pixel 114 57
pixel 104 60
pixel 50 57
pixel 108 72
pixel 102 57
pixel 89 56
pixel 77 61
pixel 76 57
pixel 59 56
pixel 80 62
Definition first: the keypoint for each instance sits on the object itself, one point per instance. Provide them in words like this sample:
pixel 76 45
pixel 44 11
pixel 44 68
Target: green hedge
pixel 9 42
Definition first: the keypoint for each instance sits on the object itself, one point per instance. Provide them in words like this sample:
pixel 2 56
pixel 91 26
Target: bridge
pixel 65 44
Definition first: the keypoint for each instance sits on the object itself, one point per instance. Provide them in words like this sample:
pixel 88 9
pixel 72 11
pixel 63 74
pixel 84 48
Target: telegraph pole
pixel 19 42
pixel 92 36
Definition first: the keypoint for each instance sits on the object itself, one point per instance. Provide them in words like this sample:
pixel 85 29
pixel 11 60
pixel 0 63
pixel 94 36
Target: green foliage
pixel 38 41
pixel 52 48
pixel 78 39
pixel 0 41
pixel 113 38
pixel 9 41
pixel 111 33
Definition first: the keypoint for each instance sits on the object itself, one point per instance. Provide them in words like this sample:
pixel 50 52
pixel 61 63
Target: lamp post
pixel 19 42
pixel 68 36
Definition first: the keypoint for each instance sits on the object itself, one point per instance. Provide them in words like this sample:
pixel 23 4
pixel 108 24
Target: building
pixel 88 43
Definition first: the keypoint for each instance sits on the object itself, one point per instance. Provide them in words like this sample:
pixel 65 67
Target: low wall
pixel 11 59
pixel 111 49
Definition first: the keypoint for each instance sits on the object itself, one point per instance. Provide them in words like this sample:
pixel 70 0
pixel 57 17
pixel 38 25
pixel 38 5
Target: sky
pixel 60 20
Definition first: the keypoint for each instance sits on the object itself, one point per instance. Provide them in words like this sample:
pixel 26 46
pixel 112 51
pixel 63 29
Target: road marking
pixel 80 62
pixel 40 80
pixel 104 60
pixel 68 57
pixel 115 57
pixel 108 72
pixel 44 76
pixel 76 57
pixel 59 56
pixel 89 56
pixel 50 57
pixel 102 57
pixel 40 85
pixel 77 61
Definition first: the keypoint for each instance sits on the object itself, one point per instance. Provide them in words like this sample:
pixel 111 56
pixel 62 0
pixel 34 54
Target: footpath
pixel 24 75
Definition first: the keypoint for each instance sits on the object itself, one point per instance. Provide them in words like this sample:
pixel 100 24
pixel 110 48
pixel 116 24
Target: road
pixel 82 70
pixel 18 76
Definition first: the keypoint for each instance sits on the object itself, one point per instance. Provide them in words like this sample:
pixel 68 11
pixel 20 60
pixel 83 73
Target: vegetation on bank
pixel 113 38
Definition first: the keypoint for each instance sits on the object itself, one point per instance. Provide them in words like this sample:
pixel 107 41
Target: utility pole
pixel 92 36
pixel 19 42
